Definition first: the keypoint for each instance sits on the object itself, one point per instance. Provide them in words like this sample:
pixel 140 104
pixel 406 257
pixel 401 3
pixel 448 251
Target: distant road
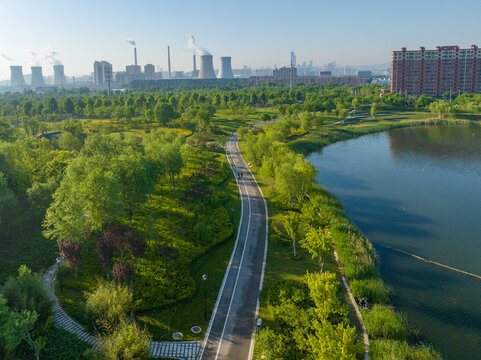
pixel 232 324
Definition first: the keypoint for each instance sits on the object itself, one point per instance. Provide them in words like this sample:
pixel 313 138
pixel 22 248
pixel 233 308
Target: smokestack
pixel 206 67
pixel 168 56
pixel 37 76
pixel 16 76
pixel 195 67
pixel 225 71
pixel 58 75
pixel 135 56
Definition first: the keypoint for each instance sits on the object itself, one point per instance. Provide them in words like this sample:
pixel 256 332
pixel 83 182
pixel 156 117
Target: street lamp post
pixel 204 277
pixel 59 262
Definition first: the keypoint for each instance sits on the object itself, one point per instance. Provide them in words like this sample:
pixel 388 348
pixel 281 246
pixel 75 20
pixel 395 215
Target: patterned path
pixel 185 350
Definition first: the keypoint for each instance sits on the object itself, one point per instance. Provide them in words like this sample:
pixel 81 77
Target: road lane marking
pixel 238 271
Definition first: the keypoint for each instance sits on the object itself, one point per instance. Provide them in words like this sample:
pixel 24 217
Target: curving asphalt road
pixel 229 335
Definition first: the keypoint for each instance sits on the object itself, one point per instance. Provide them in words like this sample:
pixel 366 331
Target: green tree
pixel 68 141
pixel 334 342
pixel 318 242
pixel 16 327
pixel 110 304
pixel 373 109
pixel 26 292
pixel 291 225
pixel 8 200
pixel 68 106
pixel 164 113
pixel 128 341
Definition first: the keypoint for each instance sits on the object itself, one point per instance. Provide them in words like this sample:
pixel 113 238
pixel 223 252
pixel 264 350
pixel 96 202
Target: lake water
pixel 419 190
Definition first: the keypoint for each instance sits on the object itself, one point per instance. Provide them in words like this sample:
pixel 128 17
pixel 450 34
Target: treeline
pixel 300 326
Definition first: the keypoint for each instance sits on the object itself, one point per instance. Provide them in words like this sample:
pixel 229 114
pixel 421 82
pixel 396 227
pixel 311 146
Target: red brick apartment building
pixel 435 72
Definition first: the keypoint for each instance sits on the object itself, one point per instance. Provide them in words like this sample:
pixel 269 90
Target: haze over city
pixel 255 34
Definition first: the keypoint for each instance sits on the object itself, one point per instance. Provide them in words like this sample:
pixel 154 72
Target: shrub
pixel 382 322
pixel 127 342
pixel 109 304
pixel 400 350
pixel 26 292
pixel 373 290
pixel 289 289
pixel 123 272
pixel 272 346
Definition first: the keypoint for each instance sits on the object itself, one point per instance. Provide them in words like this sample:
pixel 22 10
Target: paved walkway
pixel 229 335
pixel 185 350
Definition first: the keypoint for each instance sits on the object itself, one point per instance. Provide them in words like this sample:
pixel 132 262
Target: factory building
pixel 447 69
pixel 149 72
pixel 103 73
pixel 284 71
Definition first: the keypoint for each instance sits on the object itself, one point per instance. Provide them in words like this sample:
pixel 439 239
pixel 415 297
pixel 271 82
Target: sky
pixel 254 33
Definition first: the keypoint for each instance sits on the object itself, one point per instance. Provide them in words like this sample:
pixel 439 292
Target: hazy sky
pixel 255 33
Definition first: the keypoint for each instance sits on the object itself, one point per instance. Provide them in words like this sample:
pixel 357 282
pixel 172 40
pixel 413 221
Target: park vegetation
pixel 131 189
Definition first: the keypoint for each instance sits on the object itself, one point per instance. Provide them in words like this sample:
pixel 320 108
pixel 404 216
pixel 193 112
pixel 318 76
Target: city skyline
pixel 253 34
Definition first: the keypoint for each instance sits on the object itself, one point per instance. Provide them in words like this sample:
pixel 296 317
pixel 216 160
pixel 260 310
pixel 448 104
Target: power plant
pixel 58 75
pixel 37 77
pixel 225 71
pixel 206 67
pixel 16 76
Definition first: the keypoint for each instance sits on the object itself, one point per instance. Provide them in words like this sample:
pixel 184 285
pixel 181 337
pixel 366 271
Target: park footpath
pixel 184 350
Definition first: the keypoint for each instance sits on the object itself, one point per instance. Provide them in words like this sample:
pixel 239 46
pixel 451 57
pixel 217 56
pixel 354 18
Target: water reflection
pixel 417 189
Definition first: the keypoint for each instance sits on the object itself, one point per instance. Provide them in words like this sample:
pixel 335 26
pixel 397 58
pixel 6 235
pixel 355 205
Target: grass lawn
pixel 22 242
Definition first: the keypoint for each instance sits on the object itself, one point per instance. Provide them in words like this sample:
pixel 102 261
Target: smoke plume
pixel 130 41
pixel 193 46
pixel 5 56
pixel 34 59
pixel 51 57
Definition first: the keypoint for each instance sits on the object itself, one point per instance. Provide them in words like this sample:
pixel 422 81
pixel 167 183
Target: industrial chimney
pixel 135 56
pixel 58 75
pixel 225 71
pixel 206 67
pixel 168 58
pixel 37 76
pixel 16 76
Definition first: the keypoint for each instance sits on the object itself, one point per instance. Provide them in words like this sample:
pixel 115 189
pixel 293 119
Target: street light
pixel 204 277
pixel 59 263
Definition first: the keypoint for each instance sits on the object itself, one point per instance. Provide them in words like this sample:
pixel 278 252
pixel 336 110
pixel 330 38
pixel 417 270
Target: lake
pixel 419 190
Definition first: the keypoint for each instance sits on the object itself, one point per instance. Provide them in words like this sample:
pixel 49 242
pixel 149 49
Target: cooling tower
pixel 37 76
pixel 206 67
pixel 58 75
pixel 225 71
pixel 16 76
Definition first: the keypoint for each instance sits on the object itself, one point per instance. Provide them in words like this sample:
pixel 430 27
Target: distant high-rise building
pixel 448 69
pixel 134 72
pixel 149 71
pixel 102 73
pixel 364 73
pixel 293 59
pixel 284 72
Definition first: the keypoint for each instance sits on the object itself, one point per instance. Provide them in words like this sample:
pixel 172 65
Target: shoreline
pixel 315 141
